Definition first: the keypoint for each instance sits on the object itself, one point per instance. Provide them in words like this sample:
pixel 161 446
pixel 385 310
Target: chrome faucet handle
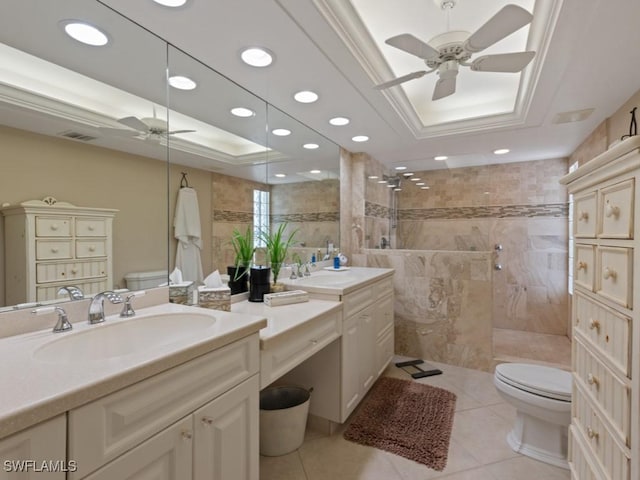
pixel 74 292
pixel 62 325
pixel 307 273
pixel 127 308
pixel 96 307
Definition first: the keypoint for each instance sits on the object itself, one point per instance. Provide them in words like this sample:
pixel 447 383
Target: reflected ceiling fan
pixel 149 127
pixel 446 52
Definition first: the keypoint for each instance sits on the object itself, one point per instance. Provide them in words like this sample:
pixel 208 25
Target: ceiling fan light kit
pixel 444 53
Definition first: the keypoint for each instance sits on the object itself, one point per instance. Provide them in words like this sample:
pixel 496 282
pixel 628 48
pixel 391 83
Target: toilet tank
pixel 143 280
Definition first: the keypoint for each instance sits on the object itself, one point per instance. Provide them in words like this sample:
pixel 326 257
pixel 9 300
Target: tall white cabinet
pixel 49 244
pixel 605 426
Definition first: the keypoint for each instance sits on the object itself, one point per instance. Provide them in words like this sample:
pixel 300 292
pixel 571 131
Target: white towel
pixel 187 230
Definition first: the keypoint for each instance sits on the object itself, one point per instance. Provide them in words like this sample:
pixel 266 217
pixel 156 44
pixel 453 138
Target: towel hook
pixel 183 181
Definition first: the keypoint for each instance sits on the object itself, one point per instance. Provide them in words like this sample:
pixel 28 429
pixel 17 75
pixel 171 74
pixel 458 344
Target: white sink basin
pixel 121 338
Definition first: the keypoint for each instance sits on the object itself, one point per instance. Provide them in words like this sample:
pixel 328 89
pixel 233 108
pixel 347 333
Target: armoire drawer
pixel 607 329
pixel 53 226
pixel 91 227
pixel 58 272
pixel 91 248
pixel 599 440
pixel 616 206
pixel 585 266
pixel 614 279
pixel 610 391
pixel 585 215
pixel 580 462
pixel 53 249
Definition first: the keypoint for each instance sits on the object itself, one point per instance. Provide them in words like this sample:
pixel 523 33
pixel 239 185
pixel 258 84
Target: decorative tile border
pixel 558 210
pixel 232 217
pixel 374 210
pixel 306 217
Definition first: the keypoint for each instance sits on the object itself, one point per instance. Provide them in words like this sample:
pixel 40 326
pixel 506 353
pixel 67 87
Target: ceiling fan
pixel 446 52
pixel 149 127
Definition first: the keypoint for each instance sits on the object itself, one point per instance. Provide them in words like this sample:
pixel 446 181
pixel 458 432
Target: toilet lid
pixel 537 379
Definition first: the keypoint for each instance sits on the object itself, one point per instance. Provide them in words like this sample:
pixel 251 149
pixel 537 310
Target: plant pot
pixel 238 279
pixel 277 287
pixel 259 283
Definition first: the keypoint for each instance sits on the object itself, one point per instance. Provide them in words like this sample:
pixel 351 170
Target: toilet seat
pixel 536 379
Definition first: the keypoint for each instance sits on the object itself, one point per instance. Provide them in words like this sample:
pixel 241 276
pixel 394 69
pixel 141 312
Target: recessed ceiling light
pixel 415 179
pixel 306 96
pixel 420 184
pixel 242 112
pixel 401 168
pixel 440 158
pixel 257 57
pixel 339 121
pixel 360 138
pixel 280 175
pixel 424 188
pixel 382 181
pixel 501 151
pixel 486 193
pixel 85 33
pixel 315 172
pixel 182 83
pixel 373 177
pixel 171 3
pixel 281 132
pixel 390 185
pixel 407 174
pixel 310 146
pixel 397 189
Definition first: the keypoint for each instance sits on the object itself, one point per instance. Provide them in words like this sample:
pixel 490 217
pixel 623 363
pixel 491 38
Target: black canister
pixel 259 283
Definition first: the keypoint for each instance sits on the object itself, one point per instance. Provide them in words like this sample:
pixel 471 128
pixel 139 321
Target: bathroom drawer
pixel 604 446
pixel 616 204
pixel 53 226
pixel 384 314
pixel 384 349
pixel 91 248
pixel 614 274
pixel 607 329
pixel 291 348
pixel 383 287
pixel 584 215
pixel 611 391
pixel 57 272
pixel 49 291
pixel 358 300
pixel 585 266
pixel 579 462
pixel 53 249
pixel 102 430
pixel 91 227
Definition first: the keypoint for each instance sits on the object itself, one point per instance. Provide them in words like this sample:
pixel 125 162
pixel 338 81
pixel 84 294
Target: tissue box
pixel 215 298
pixel 181 293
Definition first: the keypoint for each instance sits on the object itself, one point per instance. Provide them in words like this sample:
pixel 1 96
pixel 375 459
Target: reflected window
pixel 260 216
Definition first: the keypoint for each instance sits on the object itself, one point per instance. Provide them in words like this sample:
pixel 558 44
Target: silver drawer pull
pixel 611 210
pixel 187 435
pixel 593 380
pixel 54 250
pixel 54 226
pixel 609 273
pixel 583 216
pixel 90 228
pixel 92 248
pixel 582 266
pixel 591 433
pixel 594 324
pixel 207 421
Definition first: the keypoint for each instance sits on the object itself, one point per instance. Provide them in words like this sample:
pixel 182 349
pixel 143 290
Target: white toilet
pixel 542 398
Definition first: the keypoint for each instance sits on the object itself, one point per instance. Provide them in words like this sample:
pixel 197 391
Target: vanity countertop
pixel 338 282
pixel 35 389
pixel 284 319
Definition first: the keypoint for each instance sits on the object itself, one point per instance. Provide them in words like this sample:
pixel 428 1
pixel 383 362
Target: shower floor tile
pixel 518 345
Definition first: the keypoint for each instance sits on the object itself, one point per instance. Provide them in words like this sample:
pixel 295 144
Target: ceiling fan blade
pixel 180 131
pixel 509 19
pixel 134 123
pixel 504 62
pixel 410 44
pixel 402 79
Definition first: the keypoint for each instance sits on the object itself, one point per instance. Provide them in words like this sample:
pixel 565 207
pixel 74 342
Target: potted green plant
pixel 277 246
pixel 244 249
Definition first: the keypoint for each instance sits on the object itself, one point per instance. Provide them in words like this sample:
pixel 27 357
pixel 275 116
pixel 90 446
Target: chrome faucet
pixel 62 325
pixel 96 307
pixel 127 308
pixel 72 291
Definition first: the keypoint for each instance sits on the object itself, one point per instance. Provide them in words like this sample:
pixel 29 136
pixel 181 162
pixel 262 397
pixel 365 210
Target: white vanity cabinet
pixel 36 453
pixel 54 244
pixel 197 420
pixel 605 424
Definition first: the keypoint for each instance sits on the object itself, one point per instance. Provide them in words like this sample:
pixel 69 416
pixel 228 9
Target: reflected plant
pixel 244 249
pixel 277 247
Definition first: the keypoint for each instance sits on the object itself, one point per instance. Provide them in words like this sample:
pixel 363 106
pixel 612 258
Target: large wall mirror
pixel 89 126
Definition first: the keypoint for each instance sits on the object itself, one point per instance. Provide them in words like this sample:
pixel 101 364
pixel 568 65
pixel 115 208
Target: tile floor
pixel 477 451
pixel 516 345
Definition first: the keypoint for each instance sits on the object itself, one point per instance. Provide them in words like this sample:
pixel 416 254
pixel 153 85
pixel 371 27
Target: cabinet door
pixel 166 456
pixel 367 349
pixel 226 435
pixel 351 392
pixel 36 453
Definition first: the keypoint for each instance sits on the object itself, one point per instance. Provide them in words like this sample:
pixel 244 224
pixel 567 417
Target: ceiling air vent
pixel 83 137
